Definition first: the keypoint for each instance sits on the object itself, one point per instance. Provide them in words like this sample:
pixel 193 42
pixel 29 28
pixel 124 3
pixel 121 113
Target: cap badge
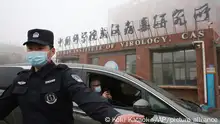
pixel 36 35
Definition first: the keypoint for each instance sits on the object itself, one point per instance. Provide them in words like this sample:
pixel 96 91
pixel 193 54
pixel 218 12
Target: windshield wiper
pixel 194 107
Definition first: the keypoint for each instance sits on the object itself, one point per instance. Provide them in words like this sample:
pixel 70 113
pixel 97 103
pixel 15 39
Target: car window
pixel 123 94
pixel 158 106
pixel 167 94
pixel 128 89
pixel 130 92
pixel 7 74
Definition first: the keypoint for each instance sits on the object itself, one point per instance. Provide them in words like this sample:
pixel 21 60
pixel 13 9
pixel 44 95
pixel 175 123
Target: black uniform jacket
pixel 45 97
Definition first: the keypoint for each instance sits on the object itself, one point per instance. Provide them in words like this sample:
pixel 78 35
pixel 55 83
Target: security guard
pixel 46 91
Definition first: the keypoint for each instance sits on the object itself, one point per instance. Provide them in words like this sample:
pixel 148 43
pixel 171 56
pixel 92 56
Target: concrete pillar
pixel 84 58
pixel 143 63
pixel 200 81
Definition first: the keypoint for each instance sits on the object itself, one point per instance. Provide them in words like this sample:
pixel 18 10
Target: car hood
pixel 213 113
pixel 207 119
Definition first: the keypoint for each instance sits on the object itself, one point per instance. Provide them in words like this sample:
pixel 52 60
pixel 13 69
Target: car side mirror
pixel 143 107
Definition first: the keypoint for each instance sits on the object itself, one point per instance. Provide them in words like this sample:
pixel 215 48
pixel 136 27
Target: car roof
pixel 81 66
pixel 84 66
pixel 71 65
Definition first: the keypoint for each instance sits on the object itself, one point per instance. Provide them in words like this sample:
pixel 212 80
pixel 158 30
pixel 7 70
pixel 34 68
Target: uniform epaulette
pixel 23 71
pixel 62 66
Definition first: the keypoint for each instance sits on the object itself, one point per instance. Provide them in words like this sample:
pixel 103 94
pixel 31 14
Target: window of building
pixel 131 64
pixel 174 68
pixel 95 61
pixel 71 61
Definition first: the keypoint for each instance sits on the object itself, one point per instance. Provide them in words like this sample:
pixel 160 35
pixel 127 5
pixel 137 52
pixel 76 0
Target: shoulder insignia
pixel 77 78
pixel 62 66
pixel 23 71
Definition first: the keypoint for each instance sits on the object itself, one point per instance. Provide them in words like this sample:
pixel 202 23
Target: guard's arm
pixel 8 102
pixel 91 103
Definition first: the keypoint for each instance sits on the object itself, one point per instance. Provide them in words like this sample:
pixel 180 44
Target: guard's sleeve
pixel 91 103
pixel 8 102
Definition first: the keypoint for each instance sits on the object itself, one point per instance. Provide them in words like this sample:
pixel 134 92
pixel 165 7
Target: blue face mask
pixel 98 89
pixel 37 58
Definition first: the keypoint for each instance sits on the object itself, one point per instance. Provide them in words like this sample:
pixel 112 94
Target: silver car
pixel 130 94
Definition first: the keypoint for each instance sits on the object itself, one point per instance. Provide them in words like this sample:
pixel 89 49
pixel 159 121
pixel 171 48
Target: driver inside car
pixel 96 87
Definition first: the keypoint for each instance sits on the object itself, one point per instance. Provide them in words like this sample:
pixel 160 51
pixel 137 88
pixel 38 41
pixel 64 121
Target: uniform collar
pixel 43 71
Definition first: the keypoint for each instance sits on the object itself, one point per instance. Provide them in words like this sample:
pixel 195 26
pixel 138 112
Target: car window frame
pixel 118 78
pixel 164 114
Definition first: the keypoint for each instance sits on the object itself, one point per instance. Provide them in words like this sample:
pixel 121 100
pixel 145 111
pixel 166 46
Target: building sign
pixel 106 35
pixel 193 35
pixel 146 41
pixel 134 43
pixel 111 64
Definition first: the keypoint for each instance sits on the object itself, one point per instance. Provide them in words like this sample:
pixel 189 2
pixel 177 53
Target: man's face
pixel 37 47
pixel 94 84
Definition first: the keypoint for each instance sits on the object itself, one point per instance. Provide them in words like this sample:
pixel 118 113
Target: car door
pixel 85 119
pixel 76 110
pixel 7 74
pixel 80 117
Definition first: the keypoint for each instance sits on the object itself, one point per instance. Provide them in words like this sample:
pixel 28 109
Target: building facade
pixel 173 45
pixel 174 62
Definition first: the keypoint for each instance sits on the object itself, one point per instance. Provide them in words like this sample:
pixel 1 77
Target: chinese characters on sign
pixel 93 35
pixel 67 41
pixel 60 42
pixel 159 21
pixel 103 33
pixel 75 38
pixel 115 31
pixel 84 37
pixel 130 30
pixel 201 14
pixel 145 26
pixel 179 19
pixel 134 43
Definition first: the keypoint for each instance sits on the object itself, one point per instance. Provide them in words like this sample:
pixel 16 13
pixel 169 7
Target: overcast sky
pixel 63 17
pixel 68 17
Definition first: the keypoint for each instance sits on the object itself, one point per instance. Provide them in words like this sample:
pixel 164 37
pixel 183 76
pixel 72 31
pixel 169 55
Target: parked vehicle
pixel 136 95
